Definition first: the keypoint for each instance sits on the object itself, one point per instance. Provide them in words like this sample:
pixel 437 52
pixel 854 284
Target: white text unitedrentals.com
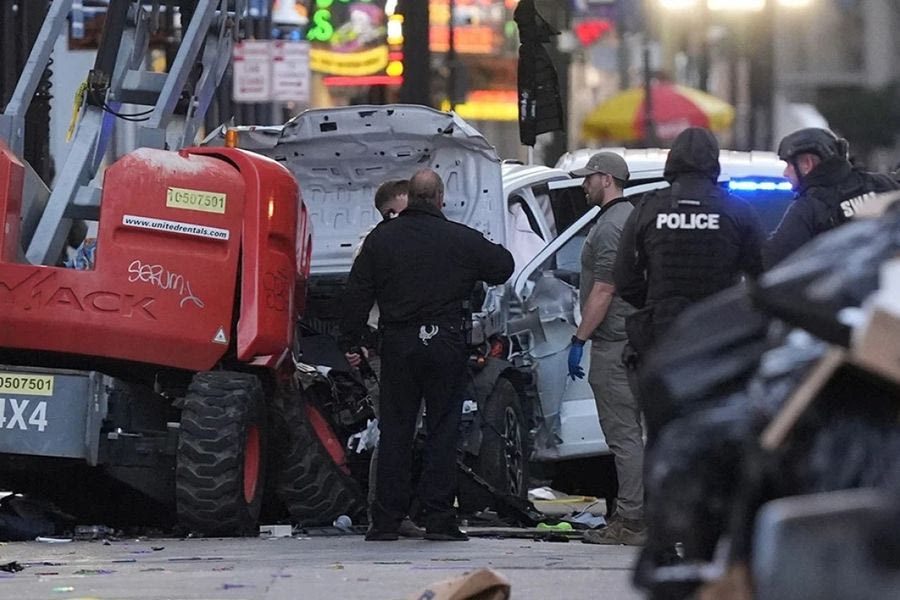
pixel 176 227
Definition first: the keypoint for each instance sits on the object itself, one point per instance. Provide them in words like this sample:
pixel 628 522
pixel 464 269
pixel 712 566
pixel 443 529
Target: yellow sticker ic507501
pixel 185 199
pixel 26 384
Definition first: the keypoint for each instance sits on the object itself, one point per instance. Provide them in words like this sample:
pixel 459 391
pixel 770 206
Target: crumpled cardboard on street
pixel 483 584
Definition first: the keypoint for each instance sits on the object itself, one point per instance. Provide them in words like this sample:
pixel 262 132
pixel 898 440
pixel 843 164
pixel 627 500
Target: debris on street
pixel 543 493
pixel 587 519
pixel 234 586
pixel 275 531
pixel 25 518
pixel 12 567
pixel 93 532
pixel 483 584
pixel 93 572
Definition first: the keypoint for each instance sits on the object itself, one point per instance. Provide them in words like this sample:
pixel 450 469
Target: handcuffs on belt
pixel 426 332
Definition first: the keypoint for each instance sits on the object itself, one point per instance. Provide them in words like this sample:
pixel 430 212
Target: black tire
pixel 313 487
pixel 223 434
pixel 503 457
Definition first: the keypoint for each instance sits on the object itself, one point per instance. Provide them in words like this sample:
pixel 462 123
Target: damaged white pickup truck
pixel 520 408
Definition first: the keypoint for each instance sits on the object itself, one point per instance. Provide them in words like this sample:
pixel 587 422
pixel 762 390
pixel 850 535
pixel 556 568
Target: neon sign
pixel 322 28
pixel 349 38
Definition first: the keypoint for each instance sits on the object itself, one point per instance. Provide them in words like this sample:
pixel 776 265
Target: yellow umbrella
pixel 675 108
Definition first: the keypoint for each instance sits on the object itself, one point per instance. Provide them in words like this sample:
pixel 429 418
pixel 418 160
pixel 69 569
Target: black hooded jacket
pixel 690 240
pixel 828 196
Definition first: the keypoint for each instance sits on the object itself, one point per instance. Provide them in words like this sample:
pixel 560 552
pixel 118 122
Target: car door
pixel 547 313
pixel 529 220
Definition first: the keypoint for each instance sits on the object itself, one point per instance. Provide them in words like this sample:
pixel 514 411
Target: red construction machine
pixel 147 375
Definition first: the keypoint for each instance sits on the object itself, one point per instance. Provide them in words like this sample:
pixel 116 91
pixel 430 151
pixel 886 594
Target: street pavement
pixel 343 567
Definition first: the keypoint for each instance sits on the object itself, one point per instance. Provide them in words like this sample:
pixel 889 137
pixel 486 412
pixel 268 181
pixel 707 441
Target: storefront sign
pixel 348 37
pixel 352 64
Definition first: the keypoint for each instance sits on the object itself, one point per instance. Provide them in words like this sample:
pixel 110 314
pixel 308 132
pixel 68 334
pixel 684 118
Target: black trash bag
pixel 847 438
pixel 696 472
pixel 709 353
pixel 839 435
pixel 782 369
pixel 851 454
pixel 884 544
pixel 836 270
pixel 692 475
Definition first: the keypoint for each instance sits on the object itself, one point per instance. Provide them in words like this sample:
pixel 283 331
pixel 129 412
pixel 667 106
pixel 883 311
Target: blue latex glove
pixel 575 353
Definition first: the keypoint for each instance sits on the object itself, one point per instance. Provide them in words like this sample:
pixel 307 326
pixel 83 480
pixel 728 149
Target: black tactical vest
pixel 848 197
pixel 692 245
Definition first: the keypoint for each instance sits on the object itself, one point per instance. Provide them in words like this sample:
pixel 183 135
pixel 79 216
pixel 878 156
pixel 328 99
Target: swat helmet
pixel 812 140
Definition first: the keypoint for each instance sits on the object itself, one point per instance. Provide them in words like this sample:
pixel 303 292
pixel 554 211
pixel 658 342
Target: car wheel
pixel 503 456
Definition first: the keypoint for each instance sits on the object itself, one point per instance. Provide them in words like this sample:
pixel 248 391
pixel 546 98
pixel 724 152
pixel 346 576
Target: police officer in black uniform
pixel 683 243
pixel 420 268
pixel 829 190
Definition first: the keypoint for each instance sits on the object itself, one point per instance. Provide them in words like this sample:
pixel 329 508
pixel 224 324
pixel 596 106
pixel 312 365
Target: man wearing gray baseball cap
pixel 603 314
pixel 605 163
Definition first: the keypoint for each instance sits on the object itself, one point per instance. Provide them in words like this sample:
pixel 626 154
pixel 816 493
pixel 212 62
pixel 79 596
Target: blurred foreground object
pixel 780 429
pixel 483 584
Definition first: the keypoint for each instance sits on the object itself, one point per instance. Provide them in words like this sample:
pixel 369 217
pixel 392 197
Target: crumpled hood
pixel 695 150
pixel 341 155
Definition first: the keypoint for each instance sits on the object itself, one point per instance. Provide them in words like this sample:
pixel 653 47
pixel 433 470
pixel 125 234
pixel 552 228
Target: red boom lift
pixel 157 368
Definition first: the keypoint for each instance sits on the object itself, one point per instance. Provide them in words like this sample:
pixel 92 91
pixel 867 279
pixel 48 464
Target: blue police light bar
pixel 759 185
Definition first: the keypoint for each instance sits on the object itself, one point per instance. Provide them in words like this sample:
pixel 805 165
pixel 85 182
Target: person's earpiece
pixel 843 148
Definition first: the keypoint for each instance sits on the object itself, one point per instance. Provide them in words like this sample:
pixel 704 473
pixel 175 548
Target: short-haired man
pixel 603 314
pixel 391 197
pixel 829 190
pixel 420 268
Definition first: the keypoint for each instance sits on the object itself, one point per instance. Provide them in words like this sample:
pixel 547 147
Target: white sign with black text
pixel 290 71
pixel 252 71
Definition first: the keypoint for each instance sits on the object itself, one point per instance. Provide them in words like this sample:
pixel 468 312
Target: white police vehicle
pixel 544 290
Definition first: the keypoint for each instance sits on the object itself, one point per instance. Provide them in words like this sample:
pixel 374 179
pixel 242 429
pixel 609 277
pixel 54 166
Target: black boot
pixel 377 535
pixel 451 534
